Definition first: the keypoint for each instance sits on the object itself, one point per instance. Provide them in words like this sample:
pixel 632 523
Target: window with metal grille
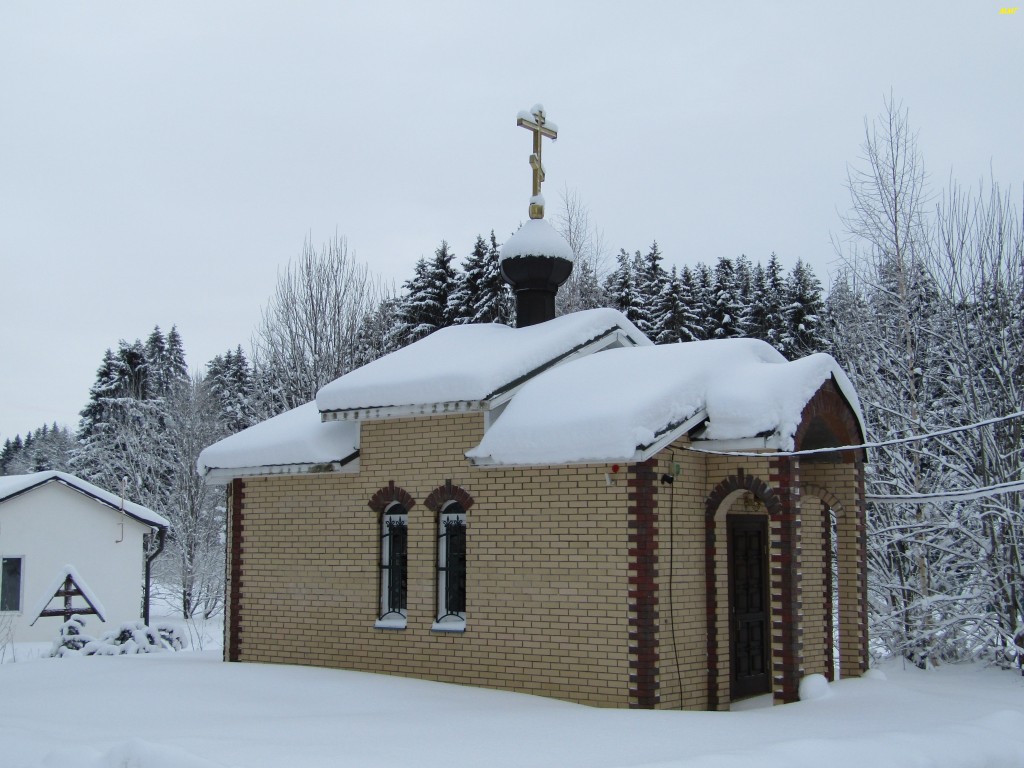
pixel 394 538
pixel 10 584
pixel 451 565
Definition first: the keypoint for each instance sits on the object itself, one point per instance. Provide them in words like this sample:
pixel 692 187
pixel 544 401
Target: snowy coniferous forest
pixel 925 314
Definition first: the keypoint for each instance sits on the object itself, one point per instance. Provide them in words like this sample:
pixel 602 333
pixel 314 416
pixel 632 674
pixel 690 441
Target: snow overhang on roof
pixel 296 441
pixel 471 367
pixel 15 485
pixel 628 404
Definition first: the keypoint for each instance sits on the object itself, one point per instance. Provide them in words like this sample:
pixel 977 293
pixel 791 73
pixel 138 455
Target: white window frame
pixel 21 582
pixel 389 617
pixel 447 621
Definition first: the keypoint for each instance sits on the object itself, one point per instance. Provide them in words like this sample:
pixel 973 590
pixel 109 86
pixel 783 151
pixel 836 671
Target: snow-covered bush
pixel 71 639
pixel 131 637
pixel 171 636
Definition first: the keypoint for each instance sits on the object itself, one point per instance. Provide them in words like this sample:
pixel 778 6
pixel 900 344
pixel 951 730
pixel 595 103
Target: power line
pixel 967 494
pixel 863 446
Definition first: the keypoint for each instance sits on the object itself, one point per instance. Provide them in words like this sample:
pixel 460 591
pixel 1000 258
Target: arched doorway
pixel 749 606
pixel 740 591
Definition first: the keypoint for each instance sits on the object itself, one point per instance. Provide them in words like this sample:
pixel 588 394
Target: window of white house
pixel 10 584
pixel 394 560
pixel 451 569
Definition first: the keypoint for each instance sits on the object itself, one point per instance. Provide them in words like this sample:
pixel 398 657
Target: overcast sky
pixel 159 163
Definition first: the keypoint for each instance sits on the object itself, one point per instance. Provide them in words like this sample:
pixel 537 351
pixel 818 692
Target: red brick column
pixel 233 642
pixel 642 521
pixel 711 594
pixel 787 647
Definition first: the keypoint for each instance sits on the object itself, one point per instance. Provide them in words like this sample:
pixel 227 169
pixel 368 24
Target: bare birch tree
pixel 926 317
pixel 311 328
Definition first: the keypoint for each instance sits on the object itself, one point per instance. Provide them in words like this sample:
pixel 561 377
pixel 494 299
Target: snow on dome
pixel 469 363
pixel 614 405
pixel 295 437
pixel 536 238
pixel 11 485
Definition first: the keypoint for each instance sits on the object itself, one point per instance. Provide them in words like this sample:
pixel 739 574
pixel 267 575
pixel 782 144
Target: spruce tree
pixel 425 307
pixel 621 287
pixel 743 282
pixel 229 382
pixel 669 313
pixel 156 356
pixel 495 303
pixel 768 320
pixel 803 309
pixel 703 301
pixel 482 295
pixel 726 308
pixel 650 282
pixel 462 301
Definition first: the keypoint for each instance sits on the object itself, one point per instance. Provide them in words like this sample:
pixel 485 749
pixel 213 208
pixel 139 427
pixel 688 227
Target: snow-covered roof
pixel 583 387
pixel 295 441
pixel 471 367
pixel 626 404
pixel 15 485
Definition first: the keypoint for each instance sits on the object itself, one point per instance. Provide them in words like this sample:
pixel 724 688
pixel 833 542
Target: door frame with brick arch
pixel 739 494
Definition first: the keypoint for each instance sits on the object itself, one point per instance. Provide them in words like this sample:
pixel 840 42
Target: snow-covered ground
pixel 191 710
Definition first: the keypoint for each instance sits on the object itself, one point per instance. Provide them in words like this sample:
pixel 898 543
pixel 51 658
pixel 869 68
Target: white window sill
pixel 397 622
pixel 449 625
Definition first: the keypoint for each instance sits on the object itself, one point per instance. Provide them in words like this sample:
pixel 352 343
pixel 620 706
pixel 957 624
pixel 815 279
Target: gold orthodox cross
pixel 536 121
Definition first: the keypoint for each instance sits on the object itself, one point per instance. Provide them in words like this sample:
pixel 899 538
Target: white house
pixel 58 531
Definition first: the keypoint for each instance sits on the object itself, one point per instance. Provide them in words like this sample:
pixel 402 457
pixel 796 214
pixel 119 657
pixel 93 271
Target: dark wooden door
pixel 749 607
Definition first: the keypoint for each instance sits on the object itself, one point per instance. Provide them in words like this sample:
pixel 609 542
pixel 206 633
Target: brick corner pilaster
pixel 642 520
pixel 235 542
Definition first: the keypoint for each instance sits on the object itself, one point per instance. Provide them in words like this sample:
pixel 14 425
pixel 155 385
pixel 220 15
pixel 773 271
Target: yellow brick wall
pixel 682 638
pixel 547 569
pixel 546 565
pixel 814 565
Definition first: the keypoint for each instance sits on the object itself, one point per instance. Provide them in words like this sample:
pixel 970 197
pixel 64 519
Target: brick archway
pixel 829 421
pixel 448 492
pixel 389 494
pixel 780 496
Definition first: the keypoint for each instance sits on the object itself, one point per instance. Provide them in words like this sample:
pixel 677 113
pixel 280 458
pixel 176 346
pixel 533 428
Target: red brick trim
pixel 445 493
pixel 829 412
pixel 785 578
pixel 642 523
pixel 741 481
pixel 388 495
pixel 234 565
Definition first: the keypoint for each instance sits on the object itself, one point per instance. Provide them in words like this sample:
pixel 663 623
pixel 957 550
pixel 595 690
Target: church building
pixel 561 508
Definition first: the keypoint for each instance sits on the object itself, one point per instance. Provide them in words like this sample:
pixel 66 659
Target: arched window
pixel 451 567
pixel 394 562
pixel 393 504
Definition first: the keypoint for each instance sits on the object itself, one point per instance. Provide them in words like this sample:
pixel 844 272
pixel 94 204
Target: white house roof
pixel 296 440
pixel 626 404
pixel 471 365
pixel 15 485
